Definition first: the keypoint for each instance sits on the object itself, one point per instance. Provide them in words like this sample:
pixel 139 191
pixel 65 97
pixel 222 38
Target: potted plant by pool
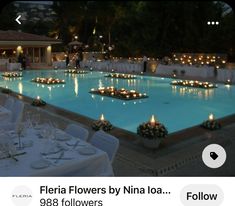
pixel 211 123
pixel 38 102
pixel 102 124
pixel 152 133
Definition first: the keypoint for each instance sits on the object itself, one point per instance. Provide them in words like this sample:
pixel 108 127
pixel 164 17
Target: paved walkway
pixel 179 159
pixel 182 159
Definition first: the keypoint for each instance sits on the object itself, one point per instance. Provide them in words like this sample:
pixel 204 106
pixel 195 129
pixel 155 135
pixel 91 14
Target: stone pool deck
pixel 180 159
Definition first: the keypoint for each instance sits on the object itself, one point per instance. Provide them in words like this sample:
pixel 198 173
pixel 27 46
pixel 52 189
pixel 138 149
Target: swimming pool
pixel 176 107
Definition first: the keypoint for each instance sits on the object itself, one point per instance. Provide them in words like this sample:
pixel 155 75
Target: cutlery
pixel 13 156
pixel 56 158
pixel 61 155
pixel 76 144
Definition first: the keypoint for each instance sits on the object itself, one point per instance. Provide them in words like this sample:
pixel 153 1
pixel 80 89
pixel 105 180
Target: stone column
pixel 48 56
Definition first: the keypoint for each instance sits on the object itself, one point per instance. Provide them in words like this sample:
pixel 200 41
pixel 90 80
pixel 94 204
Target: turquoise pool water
pixel 176 107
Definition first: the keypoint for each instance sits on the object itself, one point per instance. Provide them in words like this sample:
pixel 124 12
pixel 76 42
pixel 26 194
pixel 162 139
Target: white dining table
pixel 72 163
pixel 5 114
pixel 109 66
pixel 13 66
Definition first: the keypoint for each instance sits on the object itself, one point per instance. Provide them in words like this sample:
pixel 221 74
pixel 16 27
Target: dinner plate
pixel 62 136
pixel 72 142
pixel 40 164
pixel 24 143
pixel 50 149
pixel 87 150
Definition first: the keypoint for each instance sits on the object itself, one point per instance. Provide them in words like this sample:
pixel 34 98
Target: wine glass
pixel 20 132
pixel 28 119
pixel 36 120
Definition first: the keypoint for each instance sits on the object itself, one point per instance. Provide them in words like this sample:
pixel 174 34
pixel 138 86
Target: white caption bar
pixel 138 191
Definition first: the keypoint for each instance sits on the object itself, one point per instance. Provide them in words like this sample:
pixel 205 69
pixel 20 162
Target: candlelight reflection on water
pixel 76 86
pixel 20 87
pixel 198 93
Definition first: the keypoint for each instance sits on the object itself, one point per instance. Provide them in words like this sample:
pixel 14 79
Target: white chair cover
pixel 105 142
pixel 9 103
pixel 17 111
pixel 77 131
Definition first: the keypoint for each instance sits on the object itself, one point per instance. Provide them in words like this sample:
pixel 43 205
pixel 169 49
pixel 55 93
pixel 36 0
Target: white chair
pixel 9 103
pixel 77 131
pixel 105 142
pixel 17 112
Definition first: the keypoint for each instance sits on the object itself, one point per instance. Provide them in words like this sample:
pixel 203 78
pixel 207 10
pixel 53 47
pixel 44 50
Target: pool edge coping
pixel 171 139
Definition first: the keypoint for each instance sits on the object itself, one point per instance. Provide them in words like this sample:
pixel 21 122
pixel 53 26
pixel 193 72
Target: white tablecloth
pixel 59 64
pixel 97 164
pixel 117 66
pixel 13 66
pixel 4 61
pixel 225 74
pixel 5 114
pixel 204 71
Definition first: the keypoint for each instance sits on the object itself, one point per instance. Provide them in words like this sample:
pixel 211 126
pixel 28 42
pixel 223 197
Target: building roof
pixel 21 36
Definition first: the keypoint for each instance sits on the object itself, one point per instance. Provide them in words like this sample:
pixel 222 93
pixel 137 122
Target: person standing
pixel 145 60
pixel 20 59
pixel 23 62
pixel 78 62
pixel 67 60
pixel 215 71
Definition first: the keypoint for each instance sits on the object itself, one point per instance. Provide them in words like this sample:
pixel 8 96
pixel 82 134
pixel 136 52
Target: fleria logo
pixel 22 196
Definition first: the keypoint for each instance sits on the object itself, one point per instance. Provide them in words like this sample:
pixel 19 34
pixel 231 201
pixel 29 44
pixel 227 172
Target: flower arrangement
pixel 50 80
pixel 211 123
pixel 75 71
pixel 12 74
pixel 152 129
pixel 121 76
pixel 118 93
pixel 38 102
pixel 192 83
pixel 6 91
pixel 228 82
pixel 102 124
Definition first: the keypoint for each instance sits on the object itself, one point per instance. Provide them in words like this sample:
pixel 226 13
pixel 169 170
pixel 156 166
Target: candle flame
pixel 102 117
pixel 152 120
pixel 211 117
